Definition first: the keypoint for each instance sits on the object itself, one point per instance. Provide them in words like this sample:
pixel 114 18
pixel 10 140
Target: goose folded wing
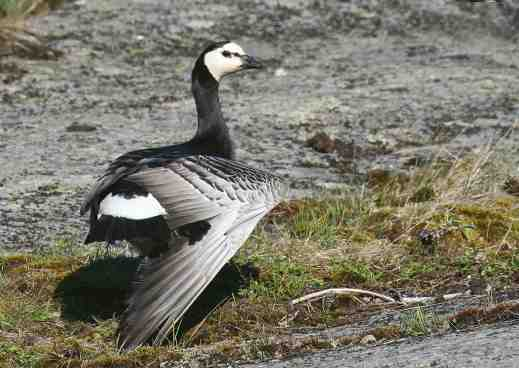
pixel 196 189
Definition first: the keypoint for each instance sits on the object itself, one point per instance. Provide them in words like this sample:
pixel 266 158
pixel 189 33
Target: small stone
pixel 80 127
pixel 395 88
pixel 429 240
pixel 321 142
pixel 480 257
pixel 280 72
pixel 368 339
pixel 511 185
pixel 488 84
pixel 420 50
pixel 382 142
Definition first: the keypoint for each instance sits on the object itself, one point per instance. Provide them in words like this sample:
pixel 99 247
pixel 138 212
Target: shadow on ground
pixel 100 289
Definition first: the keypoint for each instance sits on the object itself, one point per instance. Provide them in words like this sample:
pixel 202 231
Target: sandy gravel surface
pixel 490 348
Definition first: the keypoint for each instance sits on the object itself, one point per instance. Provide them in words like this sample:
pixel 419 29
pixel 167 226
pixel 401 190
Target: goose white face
pixel 224 60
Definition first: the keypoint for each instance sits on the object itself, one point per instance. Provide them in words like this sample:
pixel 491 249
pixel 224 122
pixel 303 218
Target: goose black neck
pixel 212 135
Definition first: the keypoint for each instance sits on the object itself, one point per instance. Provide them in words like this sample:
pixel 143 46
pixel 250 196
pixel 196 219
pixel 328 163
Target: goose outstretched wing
pixel 230 198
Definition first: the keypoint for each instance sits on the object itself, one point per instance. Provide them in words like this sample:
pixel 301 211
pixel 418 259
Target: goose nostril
pixel 250 62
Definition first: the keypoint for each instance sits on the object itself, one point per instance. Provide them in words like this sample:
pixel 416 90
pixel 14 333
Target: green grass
pixel 8 6
pixel 15 8
pixel 281 278
pixel 421 322
pixel 60 307
pixel 14 356
pixel 353 272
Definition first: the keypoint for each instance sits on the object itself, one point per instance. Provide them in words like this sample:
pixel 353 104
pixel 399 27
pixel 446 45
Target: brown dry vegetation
pixel 430 232
pixel 15 38
pixel 11 10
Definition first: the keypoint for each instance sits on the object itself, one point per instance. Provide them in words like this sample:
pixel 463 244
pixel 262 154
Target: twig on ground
pixel 346 291
pixel 417 299
pixel 341 291
pixel 427 299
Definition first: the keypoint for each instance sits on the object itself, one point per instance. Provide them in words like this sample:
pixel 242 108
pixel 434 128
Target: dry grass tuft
pixel 19 9
pixel 15 38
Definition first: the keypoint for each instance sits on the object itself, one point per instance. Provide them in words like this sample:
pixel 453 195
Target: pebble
pixel 368 339
pixel 80 127
pixel 322 142
pixel 280 72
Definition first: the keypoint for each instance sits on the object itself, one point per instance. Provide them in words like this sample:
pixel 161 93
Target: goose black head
pixel 222 58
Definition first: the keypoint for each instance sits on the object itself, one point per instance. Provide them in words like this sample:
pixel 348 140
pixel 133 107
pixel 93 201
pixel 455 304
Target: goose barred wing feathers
pixel 231 197
pixel 170 284
pixel 228 197
pixel 198 188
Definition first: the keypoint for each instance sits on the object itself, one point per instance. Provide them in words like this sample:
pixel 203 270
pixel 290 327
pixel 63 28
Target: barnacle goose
pixel 187 208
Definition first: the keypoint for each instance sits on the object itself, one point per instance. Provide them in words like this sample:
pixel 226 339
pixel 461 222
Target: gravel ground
pixel 395 83
pixel 494 347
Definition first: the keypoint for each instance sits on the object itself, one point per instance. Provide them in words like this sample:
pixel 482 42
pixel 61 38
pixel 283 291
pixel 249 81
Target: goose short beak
pixel 251 63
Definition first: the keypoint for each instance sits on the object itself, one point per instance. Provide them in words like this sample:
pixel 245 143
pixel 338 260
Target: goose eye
pixel 226 53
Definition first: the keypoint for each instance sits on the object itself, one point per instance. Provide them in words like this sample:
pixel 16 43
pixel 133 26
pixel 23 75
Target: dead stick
pixel 340 291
